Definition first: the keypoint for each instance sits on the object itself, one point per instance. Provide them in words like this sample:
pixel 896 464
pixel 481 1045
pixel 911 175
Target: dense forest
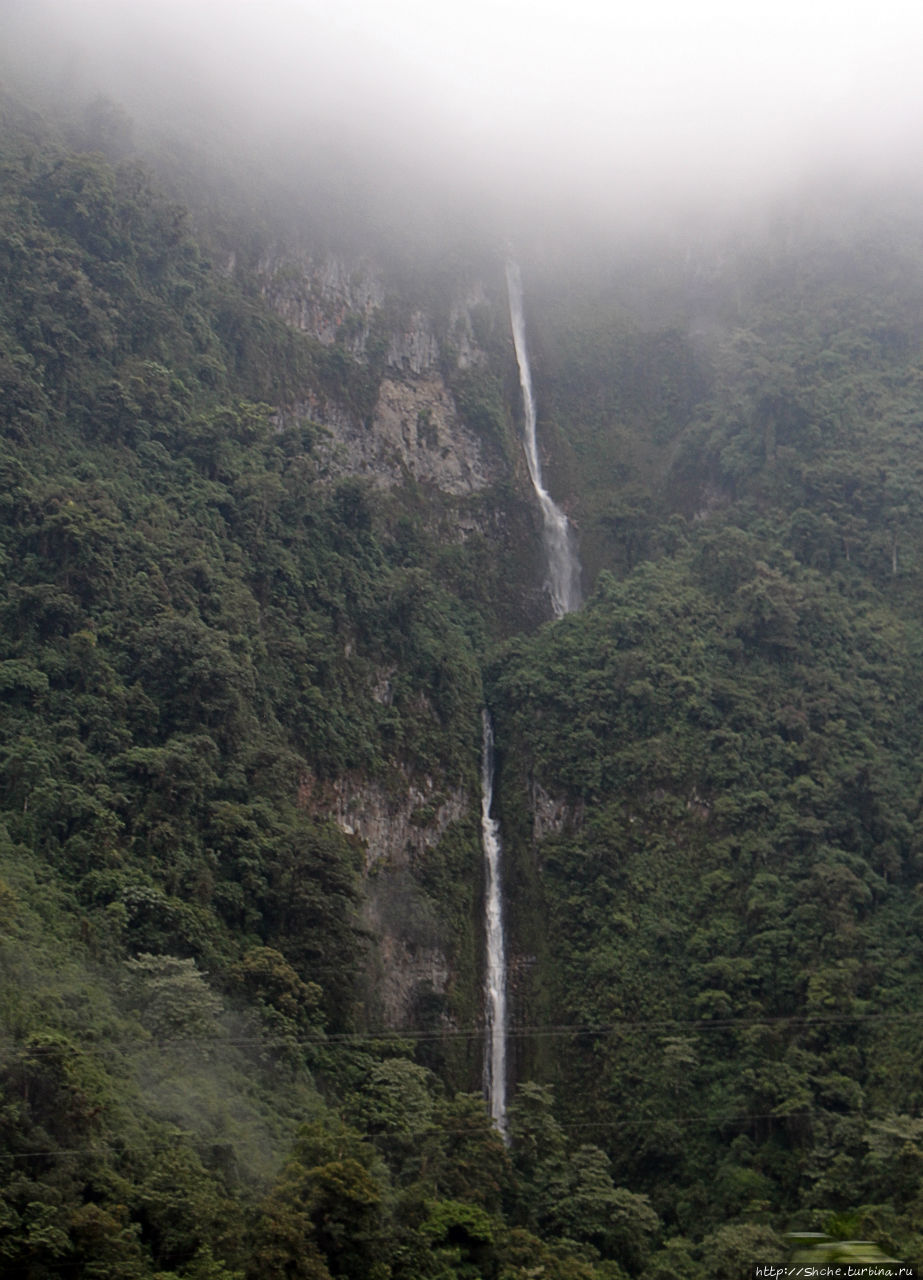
pixel 241 881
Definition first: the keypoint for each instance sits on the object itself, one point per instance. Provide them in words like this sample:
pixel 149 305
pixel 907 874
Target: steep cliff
pixel 411 428
pixel 433 432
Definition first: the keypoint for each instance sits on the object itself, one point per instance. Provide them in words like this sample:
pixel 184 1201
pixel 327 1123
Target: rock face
pixel 413 348
pixel 551 815
pixel 397 826
pixel 465 309
pixel 414 431
pixel 329 298
pixel 412 965
pixel 405 428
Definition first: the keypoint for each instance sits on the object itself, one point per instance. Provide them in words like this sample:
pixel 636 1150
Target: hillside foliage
pixel 717 965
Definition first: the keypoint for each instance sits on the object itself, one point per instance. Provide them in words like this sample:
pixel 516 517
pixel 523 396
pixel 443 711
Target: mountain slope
pixel 268 546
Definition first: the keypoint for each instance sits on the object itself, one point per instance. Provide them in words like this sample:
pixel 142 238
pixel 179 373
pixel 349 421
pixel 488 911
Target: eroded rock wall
pixel 398 824
pixel 414 431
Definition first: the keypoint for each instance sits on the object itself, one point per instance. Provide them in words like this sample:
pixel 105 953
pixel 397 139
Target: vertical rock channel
pixel 564 589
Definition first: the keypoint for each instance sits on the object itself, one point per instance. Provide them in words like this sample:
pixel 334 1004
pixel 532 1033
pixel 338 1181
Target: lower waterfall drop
pixel 495 984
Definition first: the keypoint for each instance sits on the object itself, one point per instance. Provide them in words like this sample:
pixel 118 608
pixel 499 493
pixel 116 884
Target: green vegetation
pixel 730 906
pixel 709 783
pixel 194 622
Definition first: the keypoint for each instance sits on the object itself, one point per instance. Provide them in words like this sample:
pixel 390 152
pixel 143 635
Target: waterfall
pixel 495 1047
pixel 564 588
pixel 563 565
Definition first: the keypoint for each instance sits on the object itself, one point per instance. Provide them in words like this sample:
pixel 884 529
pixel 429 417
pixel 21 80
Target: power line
pixel 521 1032
pixel 432 1130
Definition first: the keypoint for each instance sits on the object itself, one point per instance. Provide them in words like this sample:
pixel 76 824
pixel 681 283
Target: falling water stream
pixel 495 1050
pixel 563 565
pixel 564 588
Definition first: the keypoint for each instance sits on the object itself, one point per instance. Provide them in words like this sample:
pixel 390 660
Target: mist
pixel 527 116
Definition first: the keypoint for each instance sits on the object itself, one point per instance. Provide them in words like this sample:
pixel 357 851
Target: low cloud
pixel 581 111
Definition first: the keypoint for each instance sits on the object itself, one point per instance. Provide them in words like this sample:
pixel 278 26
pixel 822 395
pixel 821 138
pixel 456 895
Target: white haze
pixel 576 105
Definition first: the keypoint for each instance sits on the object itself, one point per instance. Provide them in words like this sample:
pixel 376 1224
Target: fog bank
pixel 539 110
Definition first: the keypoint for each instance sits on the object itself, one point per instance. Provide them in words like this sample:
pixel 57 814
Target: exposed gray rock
pixel 461 328
pixel 394 825
pixel 413 349
pixel 327 297
pixel 415 433
pixel 397 825
pixel 411 951
pixel 551 814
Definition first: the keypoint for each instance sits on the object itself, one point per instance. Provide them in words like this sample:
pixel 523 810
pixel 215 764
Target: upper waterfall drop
pixel 563 565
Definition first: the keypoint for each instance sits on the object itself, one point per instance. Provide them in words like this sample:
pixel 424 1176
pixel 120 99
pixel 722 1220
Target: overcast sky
pixel 596 98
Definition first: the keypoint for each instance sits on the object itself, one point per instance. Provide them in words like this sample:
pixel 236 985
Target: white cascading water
pixel 563 565
pixel 495 1048
pixel 564 587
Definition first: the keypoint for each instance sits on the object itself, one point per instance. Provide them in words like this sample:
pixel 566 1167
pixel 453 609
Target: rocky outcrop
pixel 414 432
pixel 417 428
pixel 343 302
pixel 412 963
pixel 397 824
pixel 462 337
pixel 413 347
pixel 327 297
pixel 551 814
